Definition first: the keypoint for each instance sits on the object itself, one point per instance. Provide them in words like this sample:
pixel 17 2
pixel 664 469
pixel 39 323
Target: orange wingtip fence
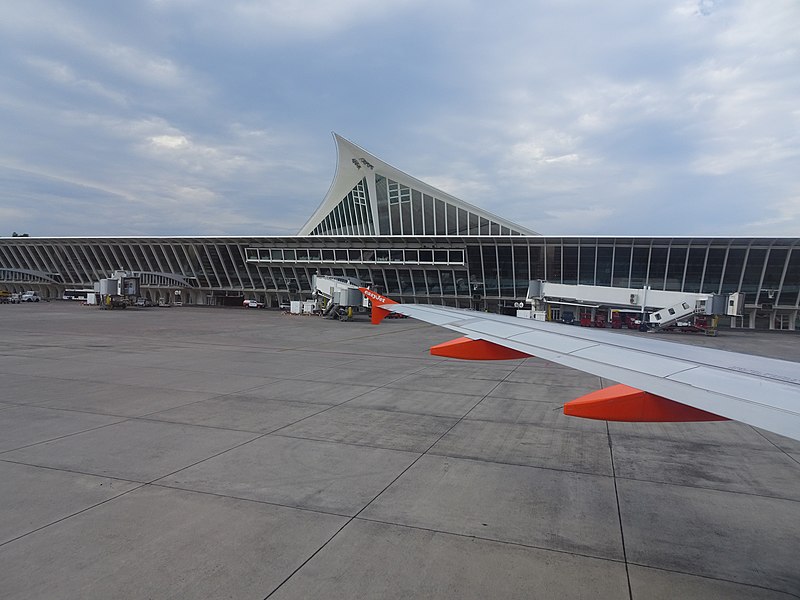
pixel 377 301
pixel 624 403
pixel 467 349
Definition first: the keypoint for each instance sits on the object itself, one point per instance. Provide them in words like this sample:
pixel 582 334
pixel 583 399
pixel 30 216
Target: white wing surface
pixel 762 392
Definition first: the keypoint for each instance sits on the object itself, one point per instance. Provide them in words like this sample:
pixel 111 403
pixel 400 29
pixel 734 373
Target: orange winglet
pixel 377 300
pixel 624 403
pixel 467 349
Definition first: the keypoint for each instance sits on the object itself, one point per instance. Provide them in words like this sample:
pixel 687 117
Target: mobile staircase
pixel 686 316
pixel 682 311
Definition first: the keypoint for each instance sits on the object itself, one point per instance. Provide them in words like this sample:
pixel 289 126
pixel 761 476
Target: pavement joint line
pixel 327 408
pixel 258 435
pixel 488 539
pixel 705 444
pixel 291 401
pixel 482 397
pixel 150 419
pixel 363 508
pixel 107 381
pixel 710 489
pixel 711 578
pixel 305 562
pixel 303 375
pixel 353 444
pixel 322 380
pixel 218 397
pixel 341 443
pixel 619 512
pixel 389 410
pixel 513 464
pixel 76 472
pixel 536 424
pixel 175 369
pixel 485 396
pixel 106 414
pixel 400 412
pixel 587 386
pixel 183 468
pixel 456 394
pixel 243 499
pixel 190 344
pixel 372 390
pixel 383 333
pixel 73 410
pixel 321 351
pixel 83 510
pixel 65 470
pixel 61 437
pixel 148 416
pixel 162 388
pixel 776 445
pixel 260 349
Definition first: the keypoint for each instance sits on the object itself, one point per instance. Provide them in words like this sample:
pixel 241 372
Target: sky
pixel 200 117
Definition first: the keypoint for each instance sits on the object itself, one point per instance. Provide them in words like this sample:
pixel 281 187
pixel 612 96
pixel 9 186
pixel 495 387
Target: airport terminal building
pixel 417 244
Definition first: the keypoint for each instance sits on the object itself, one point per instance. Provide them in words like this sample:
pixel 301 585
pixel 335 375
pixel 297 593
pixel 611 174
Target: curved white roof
pixel 355 165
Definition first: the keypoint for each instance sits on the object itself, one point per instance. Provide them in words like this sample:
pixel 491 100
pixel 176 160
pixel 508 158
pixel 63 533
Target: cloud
pixel 276 22
pixel 64 75
pixel 713 96
pixel 784 217
pixel 9 214
pixel 561 116
pixel 170 142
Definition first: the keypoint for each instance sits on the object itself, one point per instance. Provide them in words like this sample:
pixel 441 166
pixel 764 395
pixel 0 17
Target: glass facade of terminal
pixel 403 210
pixel 450 270
pixel 352 216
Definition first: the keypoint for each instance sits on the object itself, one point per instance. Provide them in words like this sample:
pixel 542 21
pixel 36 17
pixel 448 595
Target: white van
pixel 30 297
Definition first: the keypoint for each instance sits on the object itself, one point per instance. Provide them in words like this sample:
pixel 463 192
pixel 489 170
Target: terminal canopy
pixel 370 197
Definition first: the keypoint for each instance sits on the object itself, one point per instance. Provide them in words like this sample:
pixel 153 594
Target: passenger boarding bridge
pixel 657 309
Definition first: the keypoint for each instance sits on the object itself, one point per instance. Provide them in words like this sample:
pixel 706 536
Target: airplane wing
pixel 661 380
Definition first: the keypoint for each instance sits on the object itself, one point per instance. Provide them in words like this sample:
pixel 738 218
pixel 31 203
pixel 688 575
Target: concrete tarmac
pixel 242 453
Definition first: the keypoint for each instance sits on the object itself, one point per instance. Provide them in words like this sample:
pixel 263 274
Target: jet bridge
pixel 337 296
pixel 657 308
